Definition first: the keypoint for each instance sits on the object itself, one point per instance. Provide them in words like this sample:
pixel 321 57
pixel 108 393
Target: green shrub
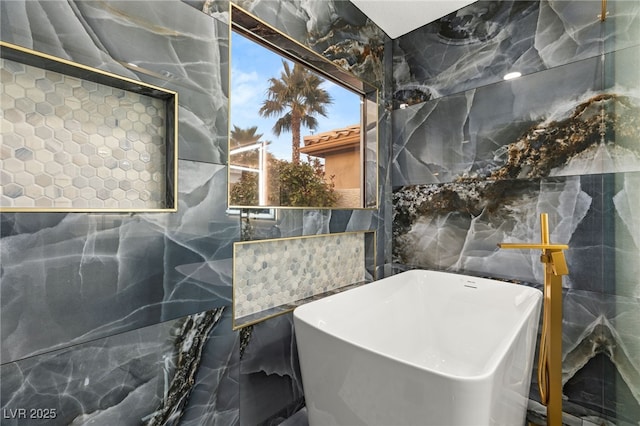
pixel 289 185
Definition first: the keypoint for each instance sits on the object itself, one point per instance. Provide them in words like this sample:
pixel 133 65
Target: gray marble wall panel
pixel 101 379
pixel 185 370
pixel 114 272
pixel 458 226
pixel 620 70
pixel 479 44
pixel 596 324
pixel 477 132
pixel 270 380
pixel 214 396
pixel 624 206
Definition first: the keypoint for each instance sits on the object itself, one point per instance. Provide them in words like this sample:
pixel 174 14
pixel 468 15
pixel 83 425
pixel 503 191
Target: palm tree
pixel 296 98
pixel 241 137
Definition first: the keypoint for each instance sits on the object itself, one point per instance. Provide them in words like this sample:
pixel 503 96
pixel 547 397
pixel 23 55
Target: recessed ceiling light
pixel 512 75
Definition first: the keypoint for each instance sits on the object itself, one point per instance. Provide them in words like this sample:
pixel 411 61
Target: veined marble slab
pixel 70 278
pixel 560 122
pixel 482 42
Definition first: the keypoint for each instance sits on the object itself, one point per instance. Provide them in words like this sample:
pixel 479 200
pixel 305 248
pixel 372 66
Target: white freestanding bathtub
pixel 419 348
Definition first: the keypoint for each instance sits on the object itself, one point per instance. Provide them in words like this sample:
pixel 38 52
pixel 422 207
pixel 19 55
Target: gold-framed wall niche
pixel 78 139
pixel 272 277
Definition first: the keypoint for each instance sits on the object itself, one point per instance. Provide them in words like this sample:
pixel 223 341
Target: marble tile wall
pixel 476 159
pixel 479 44
pixel 496 131
pixel 80 290
pixel 270 381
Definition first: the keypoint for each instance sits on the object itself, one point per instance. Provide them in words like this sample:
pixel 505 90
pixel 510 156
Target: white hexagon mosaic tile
pixel 272 273
pixel 72 143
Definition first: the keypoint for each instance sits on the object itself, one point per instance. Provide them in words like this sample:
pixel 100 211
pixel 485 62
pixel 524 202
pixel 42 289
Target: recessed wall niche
pixel 272 277
pixel 76 138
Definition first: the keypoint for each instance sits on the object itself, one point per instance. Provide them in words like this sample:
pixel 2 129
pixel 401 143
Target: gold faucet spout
pixel 533 246
pixel 551 253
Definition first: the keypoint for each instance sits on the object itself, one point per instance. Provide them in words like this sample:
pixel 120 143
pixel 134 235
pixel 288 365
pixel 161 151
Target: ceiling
pixel 398 17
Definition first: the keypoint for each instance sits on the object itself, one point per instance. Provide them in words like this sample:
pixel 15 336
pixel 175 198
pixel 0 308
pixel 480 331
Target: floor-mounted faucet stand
pixel 550 357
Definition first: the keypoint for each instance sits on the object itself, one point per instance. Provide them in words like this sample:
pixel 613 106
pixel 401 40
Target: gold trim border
pixel 368 91
pixel 237 326
pixel 63 66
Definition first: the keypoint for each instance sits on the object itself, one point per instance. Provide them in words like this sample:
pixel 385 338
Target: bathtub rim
pixel 486 372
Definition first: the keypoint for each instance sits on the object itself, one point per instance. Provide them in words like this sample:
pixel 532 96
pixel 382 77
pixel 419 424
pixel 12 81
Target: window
pixel 302 130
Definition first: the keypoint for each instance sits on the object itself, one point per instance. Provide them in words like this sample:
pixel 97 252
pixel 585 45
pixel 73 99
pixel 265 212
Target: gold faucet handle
pixel 558 263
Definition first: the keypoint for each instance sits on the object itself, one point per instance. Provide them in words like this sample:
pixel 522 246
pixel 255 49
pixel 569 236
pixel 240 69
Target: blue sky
pixel 251 67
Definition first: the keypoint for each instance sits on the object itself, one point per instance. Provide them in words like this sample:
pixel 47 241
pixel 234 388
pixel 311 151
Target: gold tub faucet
pixel 550 357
